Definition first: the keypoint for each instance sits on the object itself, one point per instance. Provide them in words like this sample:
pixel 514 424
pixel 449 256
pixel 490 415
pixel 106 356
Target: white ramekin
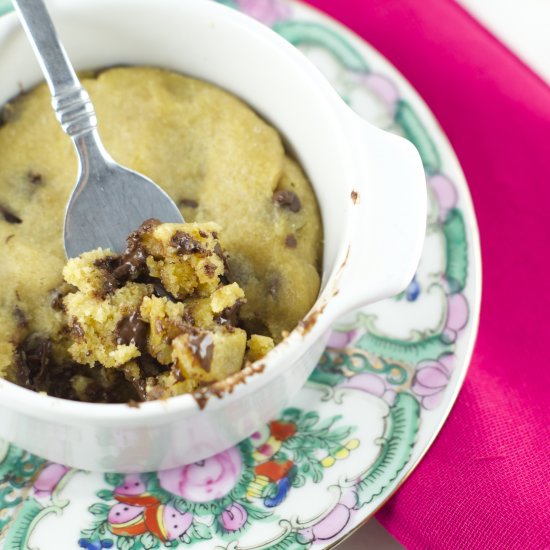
pixel 370 186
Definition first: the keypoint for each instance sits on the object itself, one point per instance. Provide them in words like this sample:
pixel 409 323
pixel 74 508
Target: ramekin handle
pixel 389 216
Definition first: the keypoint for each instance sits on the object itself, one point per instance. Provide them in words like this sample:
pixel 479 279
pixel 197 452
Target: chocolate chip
pixel 147 226
pixel 132 330
pixel 9 238
pixel 190 203
pixel 203 234
pixel 108 265
pixel 110 284
pixel 186 244
pixel 35 178
pixel 133 264
pixel 230 315
pixel 285 198
pixel 8 215
pixel 290 241
pixel 129 266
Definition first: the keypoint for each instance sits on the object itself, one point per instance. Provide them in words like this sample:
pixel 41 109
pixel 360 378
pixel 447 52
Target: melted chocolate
pixel 149 367
pixel 285 198
pixel 32 361
pixel 230 315
pixel 160 291
pixel 186 244
pixel 108 265
pixel 133 262
pixel 36 369
pixel 132 330
pixel 202 348
pixel 129 266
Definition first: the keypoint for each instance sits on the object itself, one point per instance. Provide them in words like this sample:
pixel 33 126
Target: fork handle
pixel 70 100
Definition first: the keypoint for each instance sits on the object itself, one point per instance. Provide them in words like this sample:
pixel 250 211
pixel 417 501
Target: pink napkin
pixel 485 482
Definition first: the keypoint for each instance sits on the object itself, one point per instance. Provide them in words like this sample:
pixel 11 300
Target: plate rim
pixel 459 179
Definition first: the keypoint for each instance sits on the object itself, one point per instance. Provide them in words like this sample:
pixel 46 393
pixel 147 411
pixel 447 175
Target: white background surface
pixel 523 26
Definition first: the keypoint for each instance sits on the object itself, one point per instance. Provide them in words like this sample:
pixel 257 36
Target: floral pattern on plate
pixel 370 410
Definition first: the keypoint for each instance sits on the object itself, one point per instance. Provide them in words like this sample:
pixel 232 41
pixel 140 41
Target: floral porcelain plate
pixel 369 412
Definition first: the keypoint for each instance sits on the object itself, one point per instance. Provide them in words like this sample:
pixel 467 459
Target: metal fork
pixel 108 201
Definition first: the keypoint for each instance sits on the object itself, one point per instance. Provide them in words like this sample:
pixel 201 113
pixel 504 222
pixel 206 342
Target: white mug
pixel 370 186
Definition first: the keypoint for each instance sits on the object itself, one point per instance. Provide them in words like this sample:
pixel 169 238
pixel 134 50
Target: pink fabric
pixel 485 482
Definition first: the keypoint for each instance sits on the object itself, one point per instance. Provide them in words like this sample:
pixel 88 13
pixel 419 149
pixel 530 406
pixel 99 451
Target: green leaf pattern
pixel 5 6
